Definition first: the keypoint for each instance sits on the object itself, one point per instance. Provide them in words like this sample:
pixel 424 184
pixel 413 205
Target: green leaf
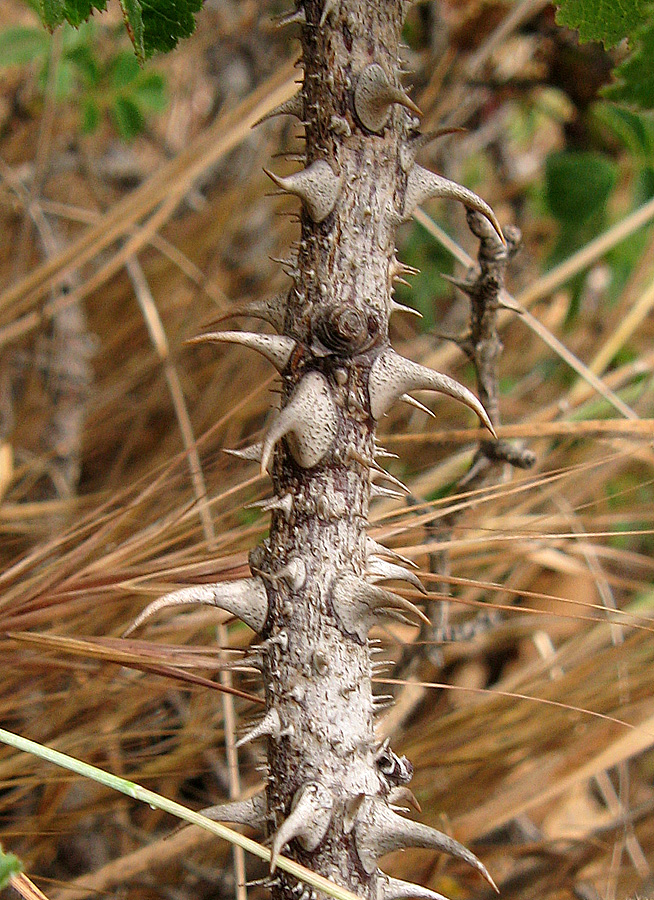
pixel 153 25
pixel 21 45
pixel 128 117
pixel 9 865
pixel 608 21
pixel 54 12
pixel 90 115
pixel 150 92
pixel 124 70
pixel 83 59
pixel 634 83
pixel 578 184
pixel 157 25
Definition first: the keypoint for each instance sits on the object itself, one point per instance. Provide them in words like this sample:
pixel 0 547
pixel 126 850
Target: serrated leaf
pixel 21 45
pixel 153 25
pixel 634 83
pixel 608 21
pixel 54 12
pixel 128 117
pixel 156 26
pixel 578 184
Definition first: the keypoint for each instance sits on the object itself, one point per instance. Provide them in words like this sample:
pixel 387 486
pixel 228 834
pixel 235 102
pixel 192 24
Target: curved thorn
pixel 253 452
pixel 374 95
pixel 359 604
pixel 401 308
pixel 271 310
pixel 403 794
pixel 424 185
pixel 283 504
pixel 381 570
pixel 246 599
pixel 308 421
pixel 275 347
pixel 308 820
pixel 317 186
pixel 395 889
pixel 392 375
pixel 378 830
pixel 374 548
pixel 377 491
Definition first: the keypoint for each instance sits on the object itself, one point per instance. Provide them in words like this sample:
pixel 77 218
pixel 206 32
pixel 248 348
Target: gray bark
pixel 314 592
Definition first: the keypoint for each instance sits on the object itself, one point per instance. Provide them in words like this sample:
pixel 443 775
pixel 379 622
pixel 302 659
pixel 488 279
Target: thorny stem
pixel 484 285
pixel 315 588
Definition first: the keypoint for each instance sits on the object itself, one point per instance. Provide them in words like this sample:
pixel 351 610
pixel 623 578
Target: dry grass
pixel 532 742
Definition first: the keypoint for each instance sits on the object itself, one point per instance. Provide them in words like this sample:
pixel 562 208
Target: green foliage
pixel 102 85
pixel 578 184
pixel 634 84
pixel 153 25
pixel 611 21
pixel 9 865
pixel 608 21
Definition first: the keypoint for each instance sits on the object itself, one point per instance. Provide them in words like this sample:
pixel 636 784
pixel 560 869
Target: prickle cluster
pixel 333 796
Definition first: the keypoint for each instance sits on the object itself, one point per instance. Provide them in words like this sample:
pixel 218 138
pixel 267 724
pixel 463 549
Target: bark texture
pixel 316 586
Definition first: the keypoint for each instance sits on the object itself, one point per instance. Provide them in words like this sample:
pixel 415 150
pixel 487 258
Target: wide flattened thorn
pixel 269 726
pixel 379 830
pixel 374 96
pixel 294 106
pixel 317 186
pixel 242 812
pixel 423 184
pixel 381 570
pixel 246 599
pixel 359 605
pixel 277 348
pixel 308 421
pixel 308 821
pixel 392 375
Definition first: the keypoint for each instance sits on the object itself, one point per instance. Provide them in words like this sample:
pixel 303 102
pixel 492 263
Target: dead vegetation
pixel 532 740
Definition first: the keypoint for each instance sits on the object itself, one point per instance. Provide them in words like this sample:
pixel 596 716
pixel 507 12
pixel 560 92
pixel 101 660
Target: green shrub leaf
pixel 128 117
pixel 21 45
pixel 634 83
pixel 153 25
pixel 578 184
pixel 608 21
